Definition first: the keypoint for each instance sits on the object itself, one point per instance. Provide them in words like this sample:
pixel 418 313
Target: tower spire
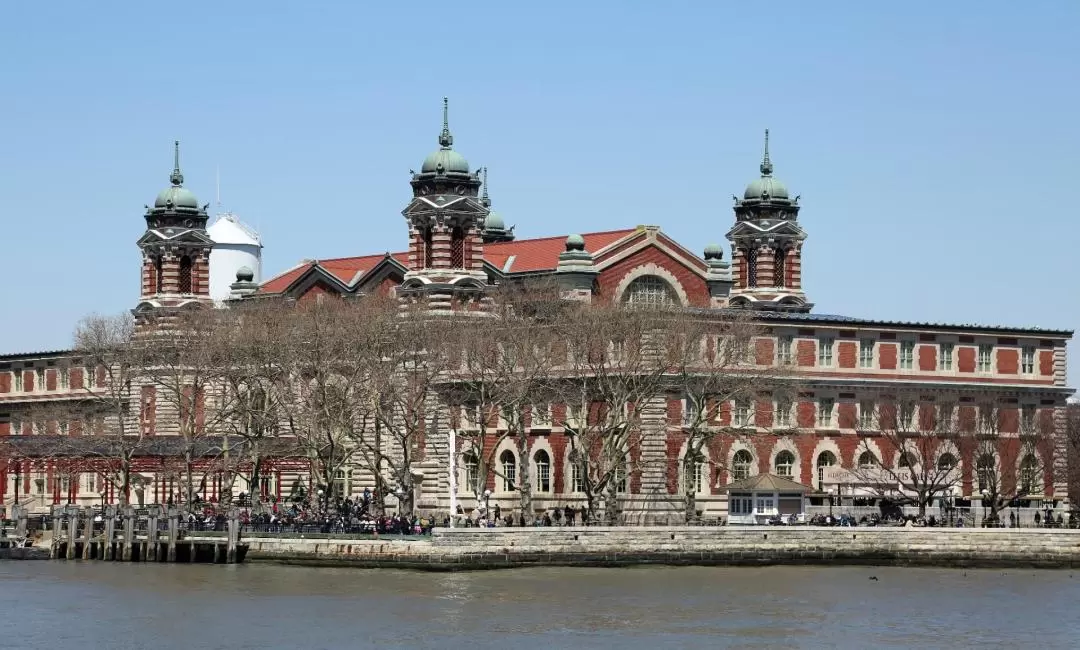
pixel 445 139
pixel 484 199
pixel 176 178
pixel 766 164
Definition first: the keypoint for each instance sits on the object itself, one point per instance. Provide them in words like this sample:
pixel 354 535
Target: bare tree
pixel 912 453
pixel 111 364
pixel 184 361
pixel 407 359
pixel 504 380
pixel 714 362
pixel 614 365
pixel 1013 455
pixel 325 383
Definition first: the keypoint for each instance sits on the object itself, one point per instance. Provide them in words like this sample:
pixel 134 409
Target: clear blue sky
pixel 934 143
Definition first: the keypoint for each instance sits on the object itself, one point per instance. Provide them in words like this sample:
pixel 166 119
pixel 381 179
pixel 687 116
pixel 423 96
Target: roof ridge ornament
pixel 176 178
pixel 766 164
pixel 445 139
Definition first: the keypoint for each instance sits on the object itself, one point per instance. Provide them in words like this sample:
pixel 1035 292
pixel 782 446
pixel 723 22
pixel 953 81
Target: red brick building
pixel 454 246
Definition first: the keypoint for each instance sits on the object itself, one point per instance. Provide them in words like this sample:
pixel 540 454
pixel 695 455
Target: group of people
pixel 482 518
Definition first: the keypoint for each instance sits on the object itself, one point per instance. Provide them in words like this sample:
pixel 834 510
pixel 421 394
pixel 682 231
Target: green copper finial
pixel 766 164
pixel 484 199
pixel 176 178
pixel 445 139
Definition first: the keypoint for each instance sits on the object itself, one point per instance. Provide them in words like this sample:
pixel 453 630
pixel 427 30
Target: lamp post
pixel 18 481
pixel 984 494
pixel 400 494
pixel 832 491
pixel 487 505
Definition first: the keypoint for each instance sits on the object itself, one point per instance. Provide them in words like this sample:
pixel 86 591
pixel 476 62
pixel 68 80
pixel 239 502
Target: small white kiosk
pixel 756 499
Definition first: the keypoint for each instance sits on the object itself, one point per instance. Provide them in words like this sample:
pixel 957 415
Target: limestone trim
pixel 658 271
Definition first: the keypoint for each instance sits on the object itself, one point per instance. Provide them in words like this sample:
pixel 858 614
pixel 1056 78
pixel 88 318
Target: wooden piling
pixel 110 533
pixel 152 535
pixel 174 525
pixel 129 533
pixel 88 533
pixel 234 537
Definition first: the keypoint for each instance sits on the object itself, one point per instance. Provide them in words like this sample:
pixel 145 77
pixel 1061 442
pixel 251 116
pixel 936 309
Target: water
pixel 76 606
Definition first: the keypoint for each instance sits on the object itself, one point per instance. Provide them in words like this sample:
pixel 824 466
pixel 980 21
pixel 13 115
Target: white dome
pixel 236 245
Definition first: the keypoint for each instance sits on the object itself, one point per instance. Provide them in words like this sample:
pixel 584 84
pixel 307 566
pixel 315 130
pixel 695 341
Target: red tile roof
pixel 528 255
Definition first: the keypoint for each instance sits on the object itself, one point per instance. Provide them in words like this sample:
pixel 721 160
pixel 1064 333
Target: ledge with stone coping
pixel 491 548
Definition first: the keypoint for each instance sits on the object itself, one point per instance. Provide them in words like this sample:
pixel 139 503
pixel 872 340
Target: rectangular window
pixel 91 482
pixel 541 415
pixel 866 354
pixel 783 350
pixel 742 413
pixel 824 355
pixel 985 355
pixel 907 355
pixel 16 426
pixel 543 476
pixel 1027 418
pixel 39 379
pixel 825 412
pixel 689 412
pixel 906 418
pixel 573 415
pixel 64 378
pixel 783 414
pixel 88 377
pixel 18 380
pixel 1027 360
pixel 577 482
pixel 945 355
pixel 946 412
pixel 866 415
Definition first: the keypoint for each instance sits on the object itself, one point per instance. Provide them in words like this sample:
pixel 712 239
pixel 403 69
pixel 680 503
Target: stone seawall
pixel 478 548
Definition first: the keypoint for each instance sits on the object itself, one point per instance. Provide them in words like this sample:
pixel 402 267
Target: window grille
pixel 779 268
pixel 185 275
pixel 650 290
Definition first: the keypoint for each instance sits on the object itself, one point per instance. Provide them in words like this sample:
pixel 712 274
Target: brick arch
pixel 824 445
pixel 651 269
pixel 786 444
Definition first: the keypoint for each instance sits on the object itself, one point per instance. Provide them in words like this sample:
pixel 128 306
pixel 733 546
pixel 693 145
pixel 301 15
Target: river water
pixel 92 605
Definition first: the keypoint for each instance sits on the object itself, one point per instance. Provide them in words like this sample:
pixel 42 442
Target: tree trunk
pixel 524 478
pixel 689 489
pixel 611 503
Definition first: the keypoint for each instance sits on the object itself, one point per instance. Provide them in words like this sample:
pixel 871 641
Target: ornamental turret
pixel 766 245
pixel 175 247
pixel 495 229
pixel 446 220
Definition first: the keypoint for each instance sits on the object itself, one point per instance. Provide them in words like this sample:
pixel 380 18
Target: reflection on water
pixel 66 605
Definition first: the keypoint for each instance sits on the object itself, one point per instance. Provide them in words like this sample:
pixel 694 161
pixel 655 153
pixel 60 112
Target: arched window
pixel 429 246
pixel 779 267
pixel 984 471
pixel 543 471
pixel 740 465
pixel 472 472
pixel 824 459
pixel 751 268
pixel 1029 474
pixel 185 275
pixel 946 462
pixel 867 460
pixel 509 470
pixel 457 248
pixel 905 460
pixel 650 290
pixel 785 464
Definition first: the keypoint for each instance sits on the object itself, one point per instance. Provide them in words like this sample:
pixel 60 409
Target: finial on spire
pixel 176 178
pixel 484 199
pixel 766 164
pixel 445 139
